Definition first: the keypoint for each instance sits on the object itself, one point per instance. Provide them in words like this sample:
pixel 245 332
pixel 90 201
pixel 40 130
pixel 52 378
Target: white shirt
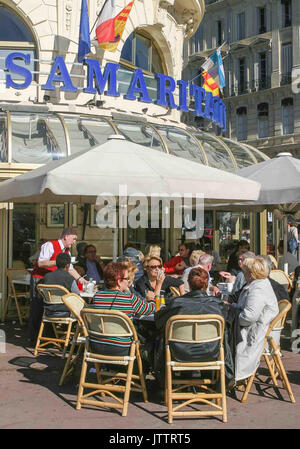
pixel 47 250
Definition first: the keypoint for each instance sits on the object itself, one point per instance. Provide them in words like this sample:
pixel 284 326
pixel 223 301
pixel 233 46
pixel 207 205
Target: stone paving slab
pixel 30 398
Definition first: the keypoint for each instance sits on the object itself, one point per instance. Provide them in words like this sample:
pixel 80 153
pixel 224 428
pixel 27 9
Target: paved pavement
pixel 30 398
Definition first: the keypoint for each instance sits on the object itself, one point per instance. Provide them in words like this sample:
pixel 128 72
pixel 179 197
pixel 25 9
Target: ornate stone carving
pixel 188 19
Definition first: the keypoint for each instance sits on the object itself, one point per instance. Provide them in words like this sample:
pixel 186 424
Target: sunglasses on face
pixel 153 267
pixel 124 279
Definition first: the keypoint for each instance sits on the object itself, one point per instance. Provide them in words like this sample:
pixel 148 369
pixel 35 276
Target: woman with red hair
pixel 117 296
pixel 196 302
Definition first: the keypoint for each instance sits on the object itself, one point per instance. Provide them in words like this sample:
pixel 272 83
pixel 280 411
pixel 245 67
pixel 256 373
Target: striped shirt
pixel 125 302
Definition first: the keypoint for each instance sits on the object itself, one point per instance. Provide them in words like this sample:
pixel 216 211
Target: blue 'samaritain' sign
pixel 207 106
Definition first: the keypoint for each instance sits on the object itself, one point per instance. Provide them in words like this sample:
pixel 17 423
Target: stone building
pixel 38 125
pixel 262 38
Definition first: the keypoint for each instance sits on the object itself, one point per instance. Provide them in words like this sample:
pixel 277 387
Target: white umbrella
pixel 280 188
pixel 84 176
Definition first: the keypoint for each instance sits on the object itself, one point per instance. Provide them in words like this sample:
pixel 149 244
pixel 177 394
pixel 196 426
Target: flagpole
pixel 98 17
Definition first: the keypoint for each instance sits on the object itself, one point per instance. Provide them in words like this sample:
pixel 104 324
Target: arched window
pixel 139 51
pixel 14 36
pixel 241 125
pixel 287 110
pixel 263 120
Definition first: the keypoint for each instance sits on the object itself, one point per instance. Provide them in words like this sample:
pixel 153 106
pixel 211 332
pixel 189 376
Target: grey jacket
pixel 258 304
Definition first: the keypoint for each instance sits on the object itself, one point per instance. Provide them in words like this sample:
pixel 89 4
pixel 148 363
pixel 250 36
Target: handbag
pixel 293 244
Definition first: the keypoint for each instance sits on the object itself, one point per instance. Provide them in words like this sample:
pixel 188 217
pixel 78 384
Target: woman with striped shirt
pixel 118 297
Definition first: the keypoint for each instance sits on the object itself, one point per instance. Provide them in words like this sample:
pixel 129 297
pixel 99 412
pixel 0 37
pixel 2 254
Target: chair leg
pixel 19 311
pixel 67 339
pixel 283 376
pixel 39 338
pixel 168 375
pixel 6 305
pixel 70 361
pixel 248 387
pixel 141 374
pixel 81 382
pixel 128 380
pixel 271 369
pixel 223 391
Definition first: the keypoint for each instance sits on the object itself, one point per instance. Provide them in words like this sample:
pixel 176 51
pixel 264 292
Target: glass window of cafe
pixel 230 228
pixel 24 236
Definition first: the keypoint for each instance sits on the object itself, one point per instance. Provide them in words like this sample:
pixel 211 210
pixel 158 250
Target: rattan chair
pixel 271 352
pixel 110 323
pixel 274 261
pixel 52 295
pixel 175 292
pixel 281 278
pixel 195 329
pixel 75 304
pixel 15 275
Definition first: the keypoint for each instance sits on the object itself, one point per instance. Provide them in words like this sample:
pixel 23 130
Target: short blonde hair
pixel 141 256
pixel 147 260
pixel 154 250
pixel 194 257
pixel 257 267
pixel 131 268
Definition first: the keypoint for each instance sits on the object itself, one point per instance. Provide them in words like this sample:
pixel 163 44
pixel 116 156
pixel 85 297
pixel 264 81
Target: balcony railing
pixel 286 79
pixel 248 87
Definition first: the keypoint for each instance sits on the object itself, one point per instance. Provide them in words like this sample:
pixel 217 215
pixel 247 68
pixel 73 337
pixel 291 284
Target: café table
pixel 87 296
pixel 25 280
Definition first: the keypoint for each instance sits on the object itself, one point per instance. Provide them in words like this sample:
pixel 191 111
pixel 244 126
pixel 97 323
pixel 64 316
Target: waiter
pixel 46 264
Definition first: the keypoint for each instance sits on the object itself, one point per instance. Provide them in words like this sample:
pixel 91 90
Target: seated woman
pixel 196 302
pixel 258 305
pixel 178 264
pixel 154 279
pixel 117 297
pixel 194 262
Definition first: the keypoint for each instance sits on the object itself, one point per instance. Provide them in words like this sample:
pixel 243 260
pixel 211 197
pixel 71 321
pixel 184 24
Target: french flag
pixel 105 30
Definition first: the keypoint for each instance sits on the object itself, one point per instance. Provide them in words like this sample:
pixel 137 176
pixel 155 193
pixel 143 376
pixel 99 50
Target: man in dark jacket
pixel 196 302
pixel 60 277
pixel 92 264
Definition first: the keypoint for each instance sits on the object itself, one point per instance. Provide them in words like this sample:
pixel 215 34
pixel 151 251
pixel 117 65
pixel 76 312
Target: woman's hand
pixel 160 278
pixel 150 296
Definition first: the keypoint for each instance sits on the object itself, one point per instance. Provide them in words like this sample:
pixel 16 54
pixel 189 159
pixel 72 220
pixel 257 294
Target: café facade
pixel 52 106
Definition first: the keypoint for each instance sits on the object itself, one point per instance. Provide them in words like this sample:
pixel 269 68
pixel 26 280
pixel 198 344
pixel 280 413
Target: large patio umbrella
pixel 84 176
pixel 280 188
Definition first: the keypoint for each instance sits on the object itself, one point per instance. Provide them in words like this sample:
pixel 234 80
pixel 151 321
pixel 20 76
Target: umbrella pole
pixel 115 244
pixel 285 249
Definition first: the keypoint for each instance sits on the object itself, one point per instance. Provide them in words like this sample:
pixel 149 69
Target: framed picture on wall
pixel 55 215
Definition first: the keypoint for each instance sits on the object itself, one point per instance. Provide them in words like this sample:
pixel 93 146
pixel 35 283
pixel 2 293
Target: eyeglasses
pixel 153 267
pixel 124 279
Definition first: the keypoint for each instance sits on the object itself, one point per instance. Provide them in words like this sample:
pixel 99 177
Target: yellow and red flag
pixel 110 26
pixel 210 85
